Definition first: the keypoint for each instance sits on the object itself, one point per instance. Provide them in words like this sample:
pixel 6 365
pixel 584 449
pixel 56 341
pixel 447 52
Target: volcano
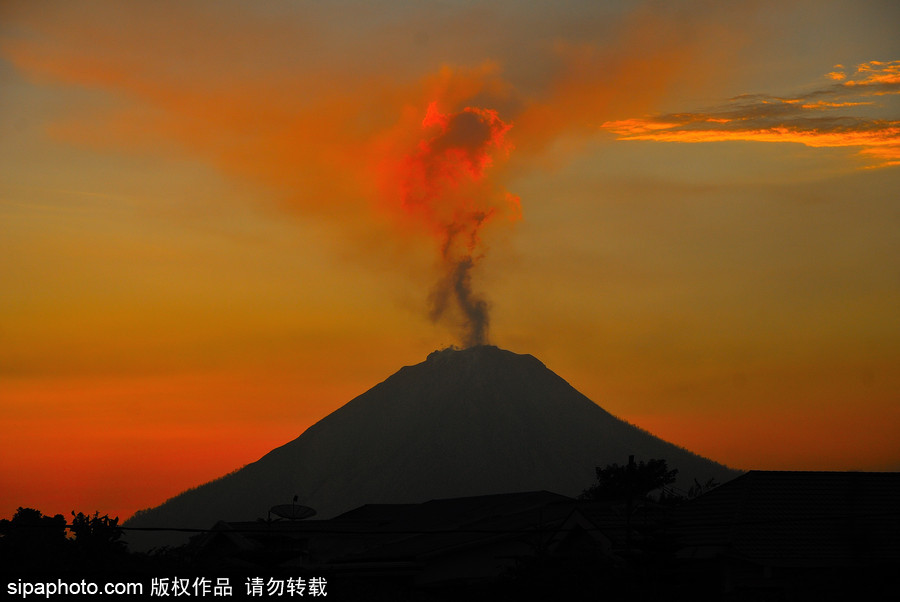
pixel 464 422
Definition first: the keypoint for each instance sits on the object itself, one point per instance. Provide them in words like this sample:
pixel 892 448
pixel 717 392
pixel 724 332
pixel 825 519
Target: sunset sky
pixel 220 221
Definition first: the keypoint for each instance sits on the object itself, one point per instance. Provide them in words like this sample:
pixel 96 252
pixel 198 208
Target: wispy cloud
pixel 820 118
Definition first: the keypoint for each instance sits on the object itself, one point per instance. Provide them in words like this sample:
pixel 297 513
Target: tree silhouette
pixel 31 540
pixel 648 549
pixel 32 543
pixel 96 535
pixel 620 483
pixel 698 489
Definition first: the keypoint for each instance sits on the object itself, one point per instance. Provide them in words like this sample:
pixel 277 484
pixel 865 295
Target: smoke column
pixel 444 188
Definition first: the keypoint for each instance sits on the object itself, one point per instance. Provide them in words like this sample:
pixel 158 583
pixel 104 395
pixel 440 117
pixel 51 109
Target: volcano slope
pixel 464 422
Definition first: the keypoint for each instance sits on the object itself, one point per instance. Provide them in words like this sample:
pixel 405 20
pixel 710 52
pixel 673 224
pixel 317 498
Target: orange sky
pixel 201 254
pixel 817 118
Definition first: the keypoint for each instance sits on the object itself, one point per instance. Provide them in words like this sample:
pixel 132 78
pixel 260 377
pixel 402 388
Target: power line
pixel 699 522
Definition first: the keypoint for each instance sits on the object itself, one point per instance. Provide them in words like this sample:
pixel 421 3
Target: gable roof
pixel 437 525
pixel 792 518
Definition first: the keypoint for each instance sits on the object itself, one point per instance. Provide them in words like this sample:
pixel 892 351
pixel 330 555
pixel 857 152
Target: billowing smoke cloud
pixel 442 185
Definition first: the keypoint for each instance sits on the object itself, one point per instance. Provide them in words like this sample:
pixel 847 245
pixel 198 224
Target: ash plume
pixel 443 185
pixel 454 291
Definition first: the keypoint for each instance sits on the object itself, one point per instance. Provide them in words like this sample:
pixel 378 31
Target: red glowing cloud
pixel 440 185
pixel 442 181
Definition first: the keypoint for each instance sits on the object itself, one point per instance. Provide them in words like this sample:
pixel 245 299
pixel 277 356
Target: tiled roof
pixel 797 519
pixel 438 525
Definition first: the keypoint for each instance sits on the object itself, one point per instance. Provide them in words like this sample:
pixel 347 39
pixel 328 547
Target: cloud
pixel 441 184
pixel 312 101
pixel 816 119
pixel 293 102
pixel 882 77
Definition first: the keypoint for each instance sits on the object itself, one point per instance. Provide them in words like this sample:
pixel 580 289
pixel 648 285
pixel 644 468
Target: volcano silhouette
pixel 464 422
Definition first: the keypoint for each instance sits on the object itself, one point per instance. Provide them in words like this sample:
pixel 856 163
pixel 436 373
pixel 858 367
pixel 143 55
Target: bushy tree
pixel 34 543
pixel 31 540
pixel 631 481
pixel 97 535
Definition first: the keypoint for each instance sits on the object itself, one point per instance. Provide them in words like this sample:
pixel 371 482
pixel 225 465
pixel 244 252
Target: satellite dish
pixel 292 511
